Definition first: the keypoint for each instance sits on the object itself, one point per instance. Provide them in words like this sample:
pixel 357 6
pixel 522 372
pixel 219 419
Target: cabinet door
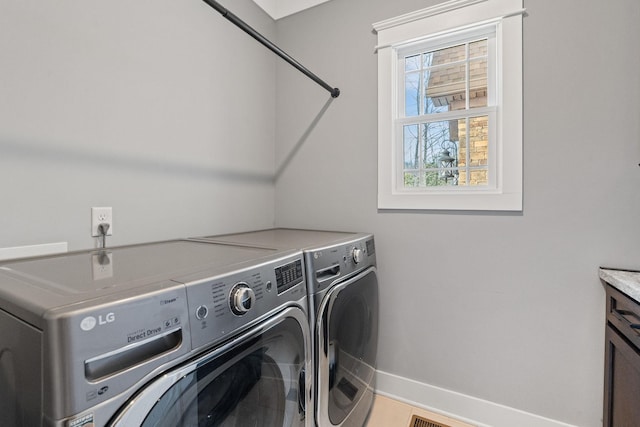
pixel 622 382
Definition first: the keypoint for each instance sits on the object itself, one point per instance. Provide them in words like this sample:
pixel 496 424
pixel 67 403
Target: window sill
pixel 462 200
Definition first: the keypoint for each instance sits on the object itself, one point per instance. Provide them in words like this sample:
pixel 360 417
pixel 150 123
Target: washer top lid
pixel 90 271
pixel 287 238
pixel 31 287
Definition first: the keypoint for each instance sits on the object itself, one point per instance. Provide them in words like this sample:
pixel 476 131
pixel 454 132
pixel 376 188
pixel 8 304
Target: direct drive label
pixel 83 421
pixel 144 333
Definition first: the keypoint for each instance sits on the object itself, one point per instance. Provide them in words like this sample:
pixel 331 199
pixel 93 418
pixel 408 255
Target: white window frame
pixel 449 19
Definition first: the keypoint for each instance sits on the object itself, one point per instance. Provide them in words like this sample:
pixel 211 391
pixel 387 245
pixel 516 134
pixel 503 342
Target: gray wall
pixel 503 307
pixel 166 112
pixel 161 109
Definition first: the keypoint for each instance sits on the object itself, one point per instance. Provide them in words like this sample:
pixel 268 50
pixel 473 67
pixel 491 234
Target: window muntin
pixel 449 78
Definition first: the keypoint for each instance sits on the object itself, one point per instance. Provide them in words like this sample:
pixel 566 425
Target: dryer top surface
pixel 288 238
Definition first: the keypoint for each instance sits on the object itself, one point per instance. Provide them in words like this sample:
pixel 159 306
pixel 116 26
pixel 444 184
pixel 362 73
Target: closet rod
pixel 335 92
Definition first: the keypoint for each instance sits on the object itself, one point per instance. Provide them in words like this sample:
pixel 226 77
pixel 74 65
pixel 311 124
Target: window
pixel 447 94
pixel 450 107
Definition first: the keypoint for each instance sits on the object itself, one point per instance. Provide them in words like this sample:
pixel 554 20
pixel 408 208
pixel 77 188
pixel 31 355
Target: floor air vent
pixel 417 421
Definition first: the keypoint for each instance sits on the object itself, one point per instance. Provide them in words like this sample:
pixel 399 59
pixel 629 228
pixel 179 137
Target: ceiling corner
pixel 280 8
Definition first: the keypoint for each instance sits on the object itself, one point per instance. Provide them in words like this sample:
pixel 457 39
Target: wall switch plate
pixel 101 216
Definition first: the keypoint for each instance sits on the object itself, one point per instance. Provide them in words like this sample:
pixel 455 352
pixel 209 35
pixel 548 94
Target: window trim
pixel 397 34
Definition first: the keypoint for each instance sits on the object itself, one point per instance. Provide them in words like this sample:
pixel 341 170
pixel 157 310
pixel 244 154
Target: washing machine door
pixel 256 379
pixel 347 337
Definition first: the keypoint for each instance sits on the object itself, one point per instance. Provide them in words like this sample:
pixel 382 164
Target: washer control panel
pixel 220 304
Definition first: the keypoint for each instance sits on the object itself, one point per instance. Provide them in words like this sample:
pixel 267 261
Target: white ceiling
pixel 280 8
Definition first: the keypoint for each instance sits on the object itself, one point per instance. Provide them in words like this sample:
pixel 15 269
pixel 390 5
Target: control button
pixel 269 286
pixel 202 312
pixel 358 255
pixel 241 299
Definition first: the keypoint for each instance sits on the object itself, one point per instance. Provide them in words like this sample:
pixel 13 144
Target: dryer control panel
pixel 326 264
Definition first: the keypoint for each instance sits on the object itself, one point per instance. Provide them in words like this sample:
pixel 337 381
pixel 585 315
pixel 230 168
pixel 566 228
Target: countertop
pixel 627 282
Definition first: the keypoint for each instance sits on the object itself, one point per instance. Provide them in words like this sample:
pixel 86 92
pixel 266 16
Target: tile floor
pixel 387 412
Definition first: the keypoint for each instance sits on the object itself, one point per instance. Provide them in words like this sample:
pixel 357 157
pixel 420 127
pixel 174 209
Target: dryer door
pixel 257 379
pixel 347 347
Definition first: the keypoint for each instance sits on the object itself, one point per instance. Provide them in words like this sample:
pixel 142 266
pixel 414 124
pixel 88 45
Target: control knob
pixel 358 255
pixel 241 298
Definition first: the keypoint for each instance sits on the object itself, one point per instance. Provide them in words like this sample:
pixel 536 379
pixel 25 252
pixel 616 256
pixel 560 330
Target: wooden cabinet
pixel 622 361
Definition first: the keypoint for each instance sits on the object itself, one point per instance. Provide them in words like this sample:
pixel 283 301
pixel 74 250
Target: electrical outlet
pixel 101 216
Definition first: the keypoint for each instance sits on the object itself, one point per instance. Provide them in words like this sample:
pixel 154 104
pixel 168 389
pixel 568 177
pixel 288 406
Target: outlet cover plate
pixel 101 216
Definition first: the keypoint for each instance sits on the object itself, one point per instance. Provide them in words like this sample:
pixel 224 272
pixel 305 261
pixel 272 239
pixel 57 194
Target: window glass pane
pixel 461 140
pixel 412 63
pixel 462 151
pixel 437 138
pixel 444 56
pixel 411 179
pixel 441 178
pixel 411 147
pixel 478 83
pixel 431 178
pixel 478 177
pixel 478 141
pixel 478 48
pixel 411 94
pixel 445 88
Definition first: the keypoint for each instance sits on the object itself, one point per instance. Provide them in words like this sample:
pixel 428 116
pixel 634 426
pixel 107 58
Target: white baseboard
pixel 469 409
